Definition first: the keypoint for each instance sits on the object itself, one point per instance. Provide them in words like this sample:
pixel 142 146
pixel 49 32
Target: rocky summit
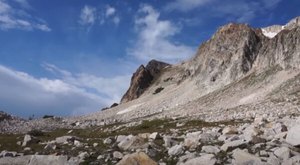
pixel 237 101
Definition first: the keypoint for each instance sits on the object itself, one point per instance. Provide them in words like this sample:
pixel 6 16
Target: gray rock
pixel 208 137
pixel 95 144
pixel 29 139
pixel 109 141
pixel 82 156
pixel 192 140
pixel 273 160
pixel 229 130
pixel 117 155
pixel 293 135
pixel 169 142
pixel 8 154
pixel 233 144
pixel 279 128
pixel 282 153
pixel 210 149
pixel 175 150
pixel 77 143
pixel 243 158
pixel 250 132
pixel 132 142
pixel 65 139
pixel 186 157
pixel 208 159
pixel 154 136
pixel 292 161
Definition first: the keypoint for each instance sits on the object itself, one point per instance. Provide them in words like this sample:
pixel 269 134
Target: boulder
pixel 292 161
pixel 132 142
pixel 109 141
pixel 283 153
pixel 117 155
pixel 192 140
pixel 154 136
pixel 8 154
pixel 243 158
pixel 138 158
pixel 168 141
pixel 210 149
pixel 175 150
pixel 251 132
pixel 293 135
pixel 208 159
pixel 233 144
pixel 208 137
pixel 65 139
pixel 229 130
pixel 29 139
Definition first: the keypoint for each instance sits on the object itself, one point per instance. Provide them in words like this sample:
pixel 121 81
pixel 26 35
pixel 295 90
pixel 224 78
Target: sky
pixel 73 57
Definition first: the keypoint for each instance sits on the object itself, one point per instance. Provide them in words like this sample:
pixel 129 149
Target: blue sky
pixel 69 57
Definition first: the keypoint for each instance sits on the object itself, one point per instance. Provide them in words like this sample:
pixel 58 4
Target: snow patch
pixel 269 34
pixel 128 109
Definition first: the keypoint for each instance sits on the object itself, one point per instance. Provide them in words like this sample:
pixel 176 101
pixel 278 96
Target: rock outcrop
pixel 142 79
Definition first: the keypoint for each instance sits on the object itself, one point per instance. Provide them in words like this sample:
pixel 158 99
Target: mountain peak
pixel 272 31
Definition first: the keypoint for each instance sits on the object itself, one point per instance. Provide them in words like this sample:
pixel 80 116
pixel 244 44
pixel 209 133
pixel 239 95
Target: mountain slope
pixel 234 74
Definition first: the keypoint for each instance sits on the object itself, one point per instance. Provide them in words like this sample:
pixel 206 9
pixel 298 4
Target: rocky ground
pixel 179 141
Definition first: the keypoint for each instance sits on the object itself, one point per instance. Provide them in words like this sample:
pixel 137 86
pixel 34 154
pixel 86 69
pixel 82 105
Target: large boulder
pixel 233 144
pixel 243 158
pixel 138 158
pixel 208 159
pixel 29 140
pixel 175 150
pixel 132 142
pixel 293 135
pixel 192 140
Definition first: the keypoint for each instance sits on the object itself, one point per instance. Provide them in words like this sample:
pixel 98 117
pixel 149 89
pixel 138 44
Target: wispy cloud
pixel 19 17
pixel 88 15
pixel 110 11
pixel 154 38
pixel 187 5
pixel 111 89
pixel 238 10
pixel 111 14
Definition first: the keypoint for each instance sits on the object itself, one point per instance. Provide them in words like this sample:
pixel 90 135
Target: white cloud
pixel 69 94
pixel 111 88
pixel 110 11
pixel 186 5
pixel 19 18
pixel 87 15
pixel 23 94
pixel 154 38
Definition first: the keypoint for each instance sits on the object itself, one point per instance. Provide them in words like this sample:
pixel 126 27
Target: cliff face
pixel 226 57
pixel 142 79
